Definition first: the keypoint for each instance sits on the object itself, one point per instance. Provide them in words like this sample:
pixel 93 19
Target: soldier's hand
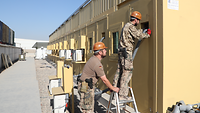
pixel 116 89
pixel 149 31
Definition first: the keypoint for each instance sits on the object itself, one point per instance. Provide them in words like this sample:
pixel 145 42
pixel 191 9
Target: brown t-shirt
pixel 92 69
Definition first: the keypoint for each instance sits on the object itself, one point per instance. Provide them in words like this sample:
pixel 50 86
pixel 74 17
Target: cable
pixel 58 108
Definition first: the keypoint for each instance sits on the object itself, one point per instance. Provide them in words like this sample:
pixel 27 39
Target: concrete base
pixel 19 91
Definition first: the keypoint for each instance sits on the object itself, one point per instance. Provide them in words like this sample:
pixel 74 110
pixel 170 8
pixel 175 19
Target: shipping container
pixel 1 31
pixel 4 33
pixel 13 38
pixel 9 36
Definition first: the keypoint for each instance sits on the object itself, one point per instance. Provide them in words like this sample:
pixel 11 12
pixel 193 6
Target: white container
pixel 78 55
pixel 61 53
pixel 49 52
pixel 60 102
pixel 68 54
pixel 41 53
pixel 54 83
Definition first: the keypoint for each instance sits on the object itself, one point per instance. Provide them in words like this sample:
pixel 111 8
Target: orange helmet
pixel 98 46
pixel 137 15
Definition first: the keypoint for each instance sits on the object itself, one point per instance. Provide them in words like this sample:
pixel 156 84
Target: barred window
pixel 115 42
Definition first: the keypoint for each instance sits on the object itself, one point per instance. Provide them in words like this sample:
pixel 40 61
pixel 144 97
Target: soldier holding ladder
pixel 93 70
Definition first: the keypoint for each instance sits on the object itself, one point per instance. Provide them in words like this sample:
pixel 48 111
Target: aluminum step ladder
pixel 121 104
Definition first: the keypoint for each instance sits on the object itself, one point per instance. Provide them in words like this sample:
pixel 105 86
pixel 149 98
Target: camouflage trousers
pixel 86 99
pixel 123 74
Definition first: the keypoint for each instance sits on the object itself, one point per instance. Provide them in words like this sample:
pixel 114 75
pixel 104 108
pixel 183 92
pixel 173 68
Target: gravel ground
pixel 45 68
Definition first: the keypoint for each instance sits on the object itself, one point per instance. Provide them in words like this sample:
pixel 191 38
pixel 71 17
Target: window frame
pixel 90 35
pixel 112 29
pixel 115 49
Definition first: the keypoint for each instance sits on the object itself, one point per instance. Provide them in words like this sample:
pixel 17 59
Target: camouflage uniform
pixel 125 65
pixel 86 100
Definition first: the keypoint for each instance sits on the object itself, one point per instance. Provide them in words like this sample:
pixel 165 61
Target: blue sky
pixel 36 19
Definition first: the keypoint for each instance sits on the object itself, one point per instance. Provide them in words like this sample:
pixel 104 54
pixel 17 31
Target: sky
pixel 36 19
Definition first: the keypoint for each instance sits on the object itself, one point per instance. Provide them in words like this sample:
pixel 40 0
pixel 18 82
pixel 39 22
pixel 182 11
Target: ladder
pixel 121 104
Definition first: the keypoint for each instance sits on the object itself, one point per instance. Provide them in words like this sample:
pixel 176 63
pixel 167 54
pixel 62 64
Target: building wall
pixel 109 22
pixel 165 66
pixel 11 51
pixel 181 53
pixel 26 43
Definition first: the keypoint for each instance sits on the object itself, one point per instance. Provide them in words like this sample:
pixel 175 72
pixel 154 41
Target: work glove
pixel 149 31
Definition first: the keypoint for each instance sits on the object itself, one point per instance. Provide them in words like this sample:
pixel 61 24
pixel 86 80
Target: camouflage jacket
pixel 128 34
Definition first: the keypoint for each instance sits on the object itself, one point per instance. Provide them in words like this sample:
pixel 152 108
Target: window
pixel 103 35
pixel 115 42
pixel 145 25
pixel 90 45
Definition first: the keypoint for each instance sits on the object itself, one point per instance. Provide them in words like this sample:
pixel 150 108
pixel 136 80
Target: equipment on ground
pixel 60 103
pixel 121 103
pixel 181 107
pixel 22 57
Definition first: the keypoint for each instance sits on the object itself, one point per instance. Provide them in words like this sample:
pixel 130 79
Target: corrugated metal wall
pixel 1 31
pixel 12 52
pixel 6 34
pixel 83 16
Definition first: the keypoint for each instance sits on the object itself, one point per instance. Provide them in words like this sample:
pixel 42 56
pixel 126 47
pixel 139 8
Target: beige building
pixel 166 67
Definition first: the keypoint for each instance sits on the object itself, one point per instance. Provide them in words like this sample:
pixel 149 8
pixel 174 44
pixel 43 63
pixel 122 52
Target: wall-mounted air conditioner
pixel 68 54
pixel 79 55
pixel 61 53
pixel 49 52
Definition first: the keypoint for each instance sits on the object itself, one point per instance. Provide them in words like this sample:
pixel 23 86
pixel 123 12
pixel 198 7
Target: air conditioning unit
pixel 68 54
pixel 61 53
pixel 49 52
pixel 60 102
pixel 78 55
pixel 54 83
pixel 74 55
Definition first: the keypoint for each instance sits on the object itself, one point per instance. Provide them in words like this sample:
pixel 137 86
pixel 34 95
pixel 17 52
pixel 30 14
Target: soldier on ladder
pixel 125 62
pixel 93 70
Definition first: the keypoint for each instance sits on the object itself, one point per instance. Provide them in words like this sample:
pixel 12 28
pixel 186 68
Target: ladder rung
pixel 121 103
pixel 125 101
pixel 119 107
